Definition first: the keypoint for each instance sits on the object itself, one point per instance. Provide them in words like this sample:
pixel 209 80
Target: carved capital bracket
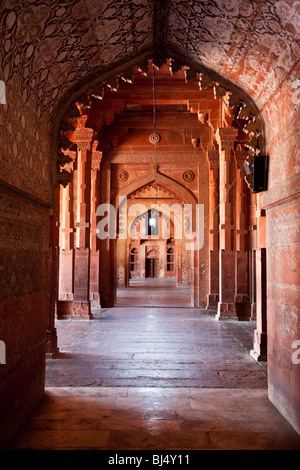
pixel 83 137
pixel 96 156
pixel 63 178
pixel 226 136
pixel 70 165
pixel 213 158
pixel 240 156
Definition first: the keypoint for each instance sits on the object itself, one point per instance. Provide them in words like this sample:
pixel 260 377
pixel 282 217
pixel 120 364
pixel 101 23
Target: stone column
pixel 66 242
pixel 123 261
pixel 51 334
pixel 242 298
pixel 127 264
pixel 178 261
pixel 94 246
pixel 252 274
pixel 259 351
pixel 194 256
pixel 81 306
pixel 213 295
pixel 163 258
pixel 252 256
pixel 226 305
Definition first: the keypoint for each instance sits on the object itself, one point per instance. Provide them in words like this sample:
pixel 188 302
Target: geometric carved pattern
pixel 154 138
pixel 188 176
pixel 122 175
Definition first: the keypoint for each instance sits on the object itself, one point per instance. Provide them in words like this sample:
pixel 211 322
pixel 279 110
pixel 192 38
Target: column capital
pixel 214 173
pixel 96 160
pixel 70 165
pixel 213 158
pixel 96 156
pixel 240 156
pixel 226 137
pixel 83 137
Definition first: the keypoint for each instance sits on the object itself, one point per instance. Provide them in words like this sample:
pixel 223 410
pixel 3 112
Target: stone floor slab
pixel 155 347
pixel 155 419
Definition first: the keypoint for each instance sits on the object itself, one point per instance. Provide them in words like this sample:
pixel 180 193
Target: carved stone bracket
pixel 83 138
pixel 96 160
pixel 213 157
pixel 63 178
pixel 70 165
pixel 226 136
pixel 240 157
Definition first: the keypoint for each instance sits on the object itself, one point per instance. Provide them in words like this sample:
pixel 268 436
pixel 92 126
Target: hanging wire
pixel 221 202
pixel 154 128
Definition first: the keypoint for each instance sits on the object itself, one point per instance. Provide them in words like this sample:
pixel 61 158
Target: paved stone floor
pixel 153 293
pixel 155 378
pixel 125 418
pixel 155 347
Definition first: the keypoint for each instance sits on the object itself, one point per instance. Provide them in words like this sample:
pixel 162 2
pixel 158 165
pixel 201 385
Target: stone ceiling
pixel 50 47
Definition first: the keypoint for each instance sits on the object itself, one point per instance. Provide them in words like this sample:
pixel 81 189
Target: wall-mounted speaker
pixel 259 174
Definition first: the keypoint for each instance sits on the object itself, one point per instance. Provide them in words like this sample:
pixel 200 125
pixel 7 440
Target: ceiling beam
pixel 161 10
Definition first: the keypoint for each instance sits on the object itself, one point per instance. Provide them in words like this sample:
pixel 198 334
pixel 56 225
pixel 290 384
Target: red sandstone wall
pixel 23 297
pixel 282 205
pixel 25 166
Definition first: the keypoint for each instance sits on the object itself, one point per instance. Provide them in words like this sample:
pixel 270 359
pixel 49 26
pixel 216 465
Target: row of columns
pixel 233 293
pixel 79 286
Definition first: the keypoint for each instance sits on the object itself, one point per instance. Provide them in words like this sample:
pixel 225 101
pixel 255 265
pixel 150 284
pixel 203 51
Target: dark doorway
pixel 152 267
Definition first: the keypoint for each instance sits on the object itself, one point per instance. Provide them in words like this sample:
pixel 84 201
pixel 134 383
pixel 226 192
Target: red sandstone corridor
pixel 149 146
pixel 155 378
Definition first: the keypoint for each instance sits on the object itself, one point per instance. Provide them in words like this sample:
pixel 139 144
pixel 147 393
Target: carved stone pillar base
pixel 51 343
pixel 95 300
pixel 212 301
pixel 226 312
pixel 80 310
pixel 259 351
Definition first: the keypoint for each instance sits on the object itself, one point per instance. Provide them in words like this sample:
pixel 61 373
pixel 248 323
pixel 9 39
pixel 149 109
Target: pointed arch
pixel 176 188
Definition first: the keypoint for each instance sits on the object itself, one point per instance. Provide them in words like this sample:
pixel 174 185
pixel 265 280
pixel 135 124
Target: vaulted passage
pixel 155 378
pixel 149 222
pixel 153 187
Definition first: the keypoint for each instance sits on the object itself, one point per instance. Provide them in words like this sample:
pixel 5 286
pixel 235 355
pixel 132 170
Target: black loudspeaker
pixel 259 174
